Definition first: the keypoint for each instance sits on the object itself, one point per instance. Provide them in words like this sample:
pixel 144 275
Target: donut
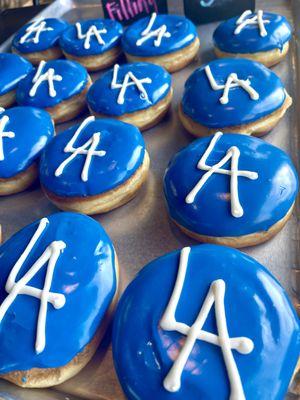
pixel 259 36
pixel 38 40
pixel 58 86
pixel 138 93
pixel 206 322
pixel 234 95
pixel 167 40
pixel 95 166
pixel 94 43
pixel 58 287
pixel 230 189
pixel 13 68
pixel 24 132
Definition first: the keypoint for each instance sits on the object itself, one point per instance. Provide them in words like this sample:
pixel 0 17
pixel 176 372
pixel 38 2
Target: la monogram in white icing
pixel 48 76
pixel 88 149
pixel 233 153
pixel 231 82
pixel 92 31
pixel 257 19
pixel 15 288
pixel 34 31
pixel 148 33
pixel 129 80
pixel 216 295
pixel 4 134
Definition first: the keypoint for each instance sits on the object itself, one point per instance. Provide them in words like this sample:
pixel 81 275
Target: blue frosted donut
pixel 80 288
pixel 13 68
pixel 246 308
pixel 26 131
pixel 205 102
pixel 39 35
pixel 228 36
pixel 264 193
pixel 71 79
pixel 178 33
pixel 120 152
pixel 105 95
pixel 59 86
pixel 74 40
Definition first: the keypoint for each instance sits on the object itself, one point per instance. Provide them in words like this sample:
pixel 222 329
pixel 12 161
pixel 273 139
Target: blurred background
pixel 4 4
pixel 15 13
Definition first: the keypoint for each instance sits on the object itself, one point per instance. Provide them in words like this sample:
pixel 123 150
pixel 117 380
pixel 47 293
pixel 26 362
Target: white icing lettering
pixel 35 30
pixel 4 134
pixel 233 153
pixel 231 82
pixel 40 77
pixel 20 287
pixel 148 33
pixel 129 80
pixel 257 19
pixel 88 149
pixel 216 295
pixel 92 31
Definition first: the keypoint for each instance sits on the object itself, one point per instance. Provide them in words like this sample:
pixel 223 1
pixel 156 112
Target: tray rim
pixel 64 6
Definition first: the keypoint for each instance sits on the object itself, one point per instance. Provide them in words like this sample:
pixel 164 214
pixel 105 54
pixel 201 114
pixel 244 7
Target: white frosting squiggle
pixel 126 83
pixel 49 76
pixel 148 33
pixel 88 149
pixel 92 31
pixel 216 294
pixel 258 20
pixel 233 153
pixel 231 82
pixel 15 288
pixel 3 122
pixel 36 28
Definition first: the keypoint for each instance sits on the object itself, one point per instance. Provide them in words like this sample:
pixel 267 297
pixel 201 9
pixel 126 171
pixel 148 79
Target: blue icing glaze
pixel 125 151
pixel 33 129
pixel 201 103
pixel 47 39
pixel 249 39
pixel 256 307
pixel 103 99
pixel 183 33
pixel 70 43
pixel 84 274
pixel 210 214
pixel 74 80
pixel 13 68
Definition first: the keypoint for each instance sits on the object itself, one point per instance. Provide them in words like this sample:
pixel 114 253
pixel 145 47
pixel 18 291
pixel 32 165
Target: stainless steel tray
pixel 141 230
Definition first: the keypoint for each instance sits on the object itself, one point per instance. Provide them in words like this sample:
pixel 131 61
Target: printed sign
pixel 126 11
pixel 203 11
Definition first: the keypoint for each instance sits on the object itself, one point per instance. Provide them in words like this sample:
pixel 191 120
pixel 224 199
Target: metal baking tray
pixel 141 230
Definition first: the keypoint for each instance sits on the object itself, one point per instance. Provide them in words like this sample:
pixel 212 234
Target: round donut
pixel 206 322
pixel 170 41
pixel 234 95
pixel 58 287
pixel 58 86
pixel 138 93
pixel 94 167
pixel 24 132
pixel 94 43
pixel 13 68
pixel 38 40
pixel 259 36
pixel 231 189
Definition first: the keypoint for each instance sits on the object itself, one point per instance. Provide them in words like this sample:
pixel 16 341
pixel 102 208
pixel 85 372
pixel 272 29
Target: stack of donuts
pixel 203 322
